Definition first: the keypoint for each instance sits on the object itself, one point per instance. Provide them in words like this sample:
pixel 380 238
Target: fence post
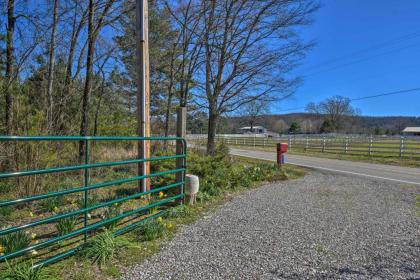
pixel 370 145
pixel 86 183
pixel 181 131
pixel 323 144
pixel 401 146
pixel 346 145
pixel 290 143
pixel 254 139
pixel 307 143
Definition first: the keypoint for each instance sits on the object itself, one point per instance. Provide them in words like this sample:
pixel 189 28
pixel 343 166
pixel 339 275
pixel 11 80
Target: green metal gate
pixel 130 219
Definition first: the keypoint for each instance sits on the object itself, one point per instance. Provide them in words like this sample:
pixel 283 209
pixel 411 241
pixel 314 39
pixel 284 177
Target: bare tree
pixel 253 111
pixel 249 46
pixel 335 111
pixel 94 27
pixel 9 65
pixel 51 67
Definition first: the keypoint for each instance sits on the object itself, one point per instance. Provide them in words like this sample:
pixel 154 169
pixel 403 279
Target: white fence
pixel 384 146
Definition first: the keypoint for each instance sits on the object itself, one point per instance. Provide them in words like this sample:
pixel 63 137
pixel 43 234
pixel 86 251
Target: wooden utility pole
pixel 143 89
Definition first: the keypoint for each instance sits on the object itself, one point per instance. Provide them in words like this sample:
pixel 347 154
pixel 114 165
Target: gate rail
pixel 86 228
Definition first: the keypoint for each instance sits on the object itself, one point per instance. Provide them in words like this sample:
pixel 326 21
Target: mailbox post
pixel 281 150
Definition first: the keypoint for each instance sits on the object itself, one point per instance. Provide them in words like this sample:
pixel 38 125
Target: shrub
pixel 15 241
pixel 203 197
pixel 103 248
pixel 222 149
pixel 152 230
pixel 66 225
pixel 23 271
pixel 53 204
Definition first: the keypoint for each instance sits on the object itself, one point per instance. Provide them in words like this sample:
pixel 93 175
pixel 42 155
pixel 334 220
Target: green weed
pixel 23 271
pixel 181 211
pixel 66 225
pixel 6 211
pixel 53 204
pixel 15 241
pixel 111 212
pixel 103 248
pixel 92 200
pixel 152 230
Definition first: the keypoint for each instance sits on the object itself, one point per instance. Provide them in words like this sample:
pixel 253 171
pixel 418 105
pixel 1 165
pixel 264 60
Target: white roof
pixel 254 127
pixel 412 129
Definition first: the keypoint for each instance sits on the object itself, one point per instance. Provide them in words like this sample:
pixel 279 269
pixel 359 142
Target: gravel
pixel 321 226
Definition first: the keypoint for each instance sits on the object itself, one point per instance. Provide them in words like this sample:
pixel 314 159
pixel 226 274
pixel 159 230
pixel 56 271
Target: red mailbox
pixel 281 150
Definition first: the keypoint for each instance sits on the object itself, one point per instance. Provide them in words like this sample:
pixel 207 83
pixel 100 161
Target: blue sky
pixel 364 47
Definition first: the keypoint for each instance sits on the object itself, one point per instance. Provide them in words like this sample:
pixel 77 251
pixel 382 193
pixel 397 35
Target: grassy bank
pixel 105 257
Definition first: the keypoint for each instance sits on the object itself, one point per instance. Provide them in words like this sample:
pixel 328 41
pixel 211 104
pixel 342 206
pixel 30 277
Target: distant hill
pixel 311 123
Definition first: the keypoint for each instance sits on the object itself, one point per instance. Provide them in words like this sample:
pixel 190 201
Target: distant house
pixel 412 130
pixel 257 130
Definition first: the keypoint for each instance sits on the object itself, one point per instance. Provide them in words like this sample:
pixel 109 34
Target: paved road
pixel 378 171
pixel 323 226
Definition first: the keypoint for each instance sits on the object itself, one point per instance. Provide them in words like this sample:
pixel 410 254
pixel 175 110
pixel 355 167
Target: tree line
pixel 67 67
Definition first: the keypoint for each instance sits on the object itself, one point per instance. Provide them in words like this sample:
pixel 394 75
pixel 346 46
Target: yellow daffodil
pixel 33 235
pixel 2 250
pixel 169 225
pixel 55 209
pixel 161 194
pixel 116 204
pixel 31 214
pixel 159 219
pixel 34 252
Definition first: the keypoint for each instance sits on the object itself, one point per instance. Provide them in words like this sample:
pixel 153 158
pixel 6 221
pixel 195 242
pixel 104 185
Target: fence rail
pixel 352 145
pixel 127 219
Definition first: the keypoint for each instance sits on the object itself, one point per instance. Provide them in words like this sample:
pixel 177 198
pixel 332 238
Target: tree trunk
pixel 84 125
pixel 211 134
pixel 170 93
pixel 168 114
pixel 98 108
pixel 9 66
pixel 50 117
pixel 76 29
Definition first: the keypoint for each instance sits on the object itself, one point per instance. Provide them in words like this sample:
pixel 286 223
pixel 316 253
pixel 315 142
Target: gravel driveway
pixel 321 226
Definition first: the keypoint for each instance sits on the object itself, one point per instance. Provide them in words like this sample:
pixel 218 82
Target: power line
pixel 361 51
pixel 386 94
pixel 360 60
pixel 366 97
